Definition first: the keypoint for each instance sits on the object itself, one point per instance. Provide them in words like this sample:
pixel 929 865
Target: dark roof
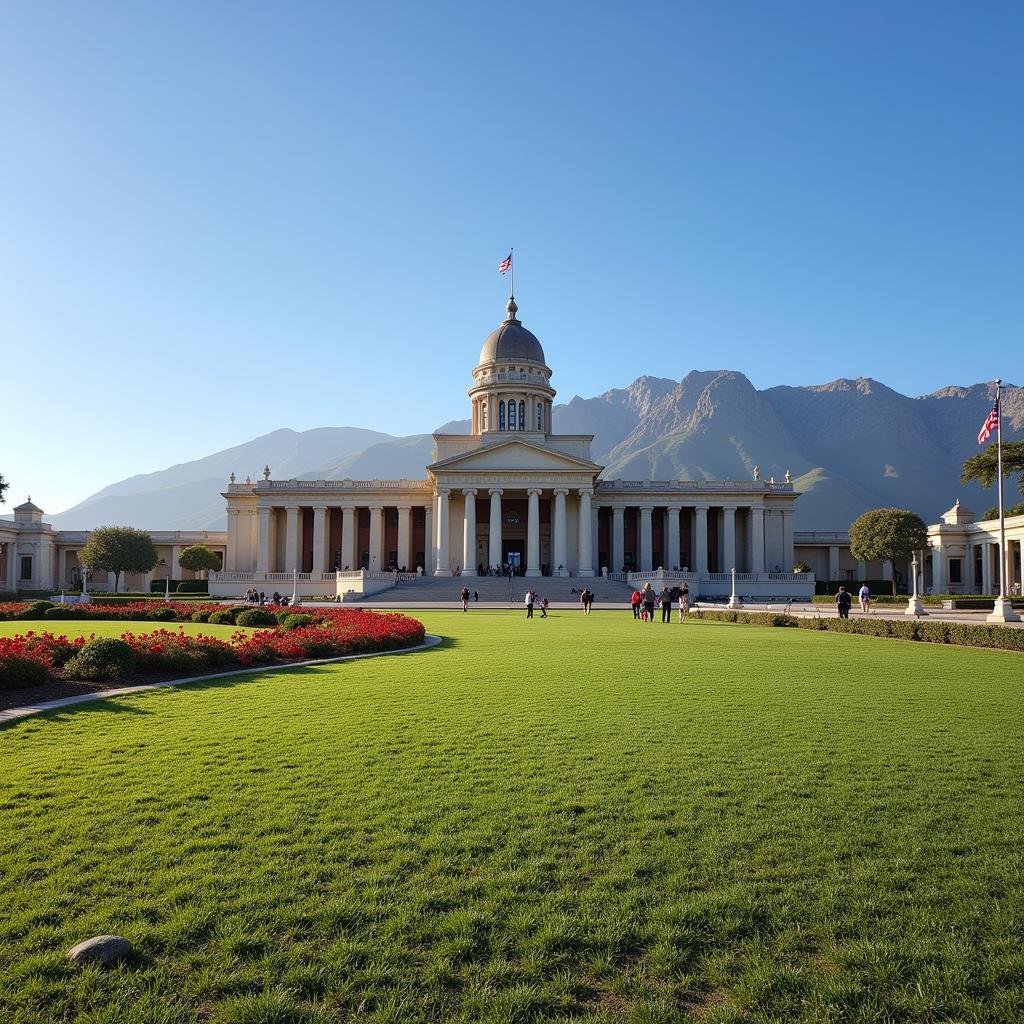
pixel 512 342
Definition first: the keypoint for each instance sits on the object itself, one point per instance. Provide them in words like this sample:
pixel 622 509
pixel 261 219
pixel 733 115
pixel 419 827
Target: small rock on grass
pixel 102 949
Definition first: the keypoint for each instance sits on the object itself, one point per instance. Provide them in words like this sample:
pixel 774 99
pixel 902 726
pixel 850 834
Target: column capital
pixel 292 508
pixel 443 492
pixel 646 509
pixel 404 508
pixel 729 508
pixel 674 508
pixel 534 491
pixel 495 491
pixel 376 508
pixel 563 491
pixel 701 508
pixel 320 508
pixel 469 492
pixel 348 507
pixel 586 490
pixel 617 511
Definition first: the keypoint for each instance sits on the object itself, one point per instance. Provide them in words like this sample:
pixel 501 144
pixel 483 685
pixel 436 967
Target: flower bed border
pixel 17 714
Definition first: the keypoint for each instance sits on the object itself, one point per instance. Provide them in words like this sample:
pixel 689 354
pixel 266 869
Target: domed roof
pixel 512 342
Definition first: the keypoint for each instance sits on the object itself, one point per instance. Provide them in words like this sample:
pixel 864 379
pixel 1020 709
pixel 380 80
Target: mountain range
pixel 850 444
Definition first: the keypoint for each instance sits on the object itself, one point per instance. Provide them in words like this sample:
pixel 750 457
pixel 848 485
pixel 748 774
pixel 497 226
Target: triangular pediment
pixel 513 456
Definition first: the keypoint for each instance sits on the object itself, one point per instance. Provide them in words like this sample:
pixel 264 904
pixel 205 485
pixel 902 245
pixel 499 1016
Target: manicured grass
pixel 110 627
pixel 565 819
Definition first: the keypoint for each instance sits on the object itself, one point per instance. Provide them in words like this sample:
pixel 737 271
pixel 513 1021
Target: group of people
pixel 464 597
pixel 534 600
pixel 258 597
pixel 643 602
pixel 844 599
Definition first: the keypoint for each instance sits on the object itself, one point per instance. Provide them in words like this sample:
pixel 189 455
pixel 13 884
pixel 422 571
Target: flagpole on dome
pixel 1002 607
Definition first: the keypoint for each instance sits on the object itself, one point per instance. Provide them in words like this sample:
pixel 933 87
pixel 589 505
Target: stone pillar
pixel 494 535
pixel 672 537
pixel 756 513
pixel 263 551
pixel 469 532
pixel 558 567
pixel 645 538
pixel 404 536
pixel 728 537
pixel 291 538
pixel 533 533
pixel 986 568
pixel 442 565
pixel 231 557
pixel 586 534
pixel 348 518
pixel 833 562
pixel 62 571
pixel 938 577
pixel 376 532
pixel 429 550
pixel 176 570
pixel 700 538
pixel 492 413
pixel 618 538
pixel 319 538
pixel 788 555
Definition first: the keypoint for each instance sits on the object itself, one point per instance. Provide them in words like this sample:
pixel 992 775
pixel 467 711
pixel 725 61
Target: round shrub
pixel 200 616
pixel 62 611
pixel 103 658
pixel 296 621
pixel 16 673
pixel 222 618
pixel 256 617
pixel 162 615
pixel 36 610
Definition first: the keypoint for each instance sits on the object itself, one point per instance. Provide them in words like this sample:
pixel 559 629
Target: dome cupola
pixel 511 390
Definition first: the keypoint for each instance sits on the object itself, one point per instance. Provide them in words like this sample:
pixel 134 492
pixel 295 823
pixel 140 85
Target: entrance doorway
pixel 514 554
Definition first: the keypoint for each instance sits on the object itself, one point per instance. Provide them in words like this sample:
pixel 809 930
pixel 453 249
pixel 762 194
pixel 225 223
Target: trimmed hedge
pixel 296 621
pixel 963 634
pixel 222 618
pixel 17 673
pixel 192 587
pixel 200 616
pixel 103 658
pixel 37 610
pixel 256 617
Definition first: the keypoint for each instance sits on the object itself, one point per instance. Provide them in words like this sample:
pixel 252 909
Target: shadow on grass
pixel 101 705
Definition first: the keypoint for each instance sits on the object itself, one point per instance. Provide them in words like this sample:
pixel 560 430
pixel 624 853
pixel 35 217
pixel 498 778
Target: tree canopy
pixel 119 549
pixel 983 466
pixel 3 487
pixel 1011 510
pixel 888 535
pixel 198 558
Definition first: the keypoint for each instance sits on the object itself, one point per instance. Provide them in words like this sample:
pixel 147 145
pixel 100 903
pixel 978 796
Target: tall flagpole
pixel 1002 608
pixel 511 275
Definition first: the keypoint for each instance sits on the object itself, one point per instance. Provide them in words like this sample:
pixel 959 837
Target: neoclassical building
pixel 511 492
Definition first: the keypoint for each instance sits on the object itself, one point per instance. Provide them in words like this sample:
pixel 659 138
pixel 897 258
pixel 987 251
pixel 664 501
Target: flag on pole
pixel 505 264
pixel 992 423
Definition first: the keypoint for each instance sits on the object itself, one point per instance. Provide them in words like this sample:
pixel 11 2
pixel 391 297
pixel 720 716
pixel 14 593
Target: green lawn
pixel 68 628
pixel 571 819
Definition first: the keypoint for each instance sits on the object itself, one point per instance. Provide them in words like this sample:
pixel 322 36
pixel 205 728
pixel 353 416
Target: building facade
pixel 511 493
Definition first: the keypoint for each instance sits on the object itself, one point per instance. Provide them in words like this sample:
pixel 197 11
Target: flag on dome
pixel 989 425
pixel 505 264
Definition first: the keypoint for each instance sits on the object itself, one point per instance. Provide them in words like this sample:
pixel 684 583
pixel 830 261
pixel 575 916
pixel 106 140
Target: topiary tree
pixel 119 549
pixel 198 558
pixel 983 466
pixel 888 535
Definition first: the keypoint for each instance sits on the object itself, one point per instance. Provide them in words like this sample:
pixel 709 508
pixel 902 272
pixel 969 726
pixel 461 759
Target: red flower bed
pixel 164 651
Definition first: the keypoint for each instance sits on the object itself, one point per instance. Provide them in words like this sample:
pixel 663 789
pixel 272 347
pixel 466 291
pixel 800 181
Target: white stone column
pixel 62 571
pixel 376 534
pixel 646 555
pixel 494 535
pixel 757 538
pixel 558 566
pixel 833 562
pixel 404 536
pixel 618 538
pixel 319 538
pixel 533 533
pixel 291 538
pixel 728 537
pixel 986 568
pixel 492 413
pixel 429 541
pixel 672 539
pixel 469 532
pixel 231 558
pixel 788 554
pixel 176 570
pixel 442 565
pixel 348 517
pixel 700 538
pixel 586 534
pixel 263 551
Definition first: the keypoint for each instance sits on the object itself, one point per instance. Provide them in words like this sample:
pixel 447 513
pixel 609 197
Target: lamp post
pixel 734 601
pixel 295 587
pixel 915 606
pixel 84 596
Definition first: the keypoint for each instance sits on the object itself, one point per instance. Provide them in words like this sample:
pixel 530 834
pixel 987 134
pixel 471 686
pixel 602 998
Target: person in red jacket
pixel 635 602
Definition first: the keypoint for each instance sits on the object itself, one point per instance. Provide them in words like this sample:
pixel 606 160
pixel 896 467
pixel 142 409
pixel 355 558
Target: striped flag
pixel 992 423
pixel 505 264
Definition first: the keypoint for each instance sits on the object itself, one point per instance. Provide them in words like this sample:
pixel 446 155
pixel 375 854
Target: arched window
pixel 540 416
pixel 522 415
pixel 501 415
pixel 511 414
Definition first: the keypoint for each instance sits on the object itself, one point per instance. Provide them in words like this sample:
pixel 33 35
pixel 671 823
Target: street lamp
pixel 915 606
pixel 734 601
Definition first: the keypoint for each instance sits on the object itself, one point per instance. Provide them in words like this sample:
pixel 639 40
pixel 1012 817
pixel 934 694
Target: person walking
pixel 464 594
pixel 843 603
pixel 584 594
pixel 666 603
pixel 635 602
pixel 684 602
pixel 544 608
pixel 648 595
pixel 865 597
pixel 476 596
pixel 529 604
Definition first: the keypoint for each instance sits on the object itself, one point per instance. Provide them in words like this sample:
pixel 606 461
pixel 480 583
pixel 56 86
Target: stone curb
pixel 16 714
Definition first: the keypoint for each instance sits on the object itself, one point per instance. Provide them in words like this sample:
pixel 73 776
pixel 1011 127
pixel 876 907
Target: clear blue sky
pixel 219 219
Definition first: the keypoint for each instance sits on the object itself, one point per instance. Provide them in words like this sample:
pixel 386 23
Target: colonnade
pixel 945 567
